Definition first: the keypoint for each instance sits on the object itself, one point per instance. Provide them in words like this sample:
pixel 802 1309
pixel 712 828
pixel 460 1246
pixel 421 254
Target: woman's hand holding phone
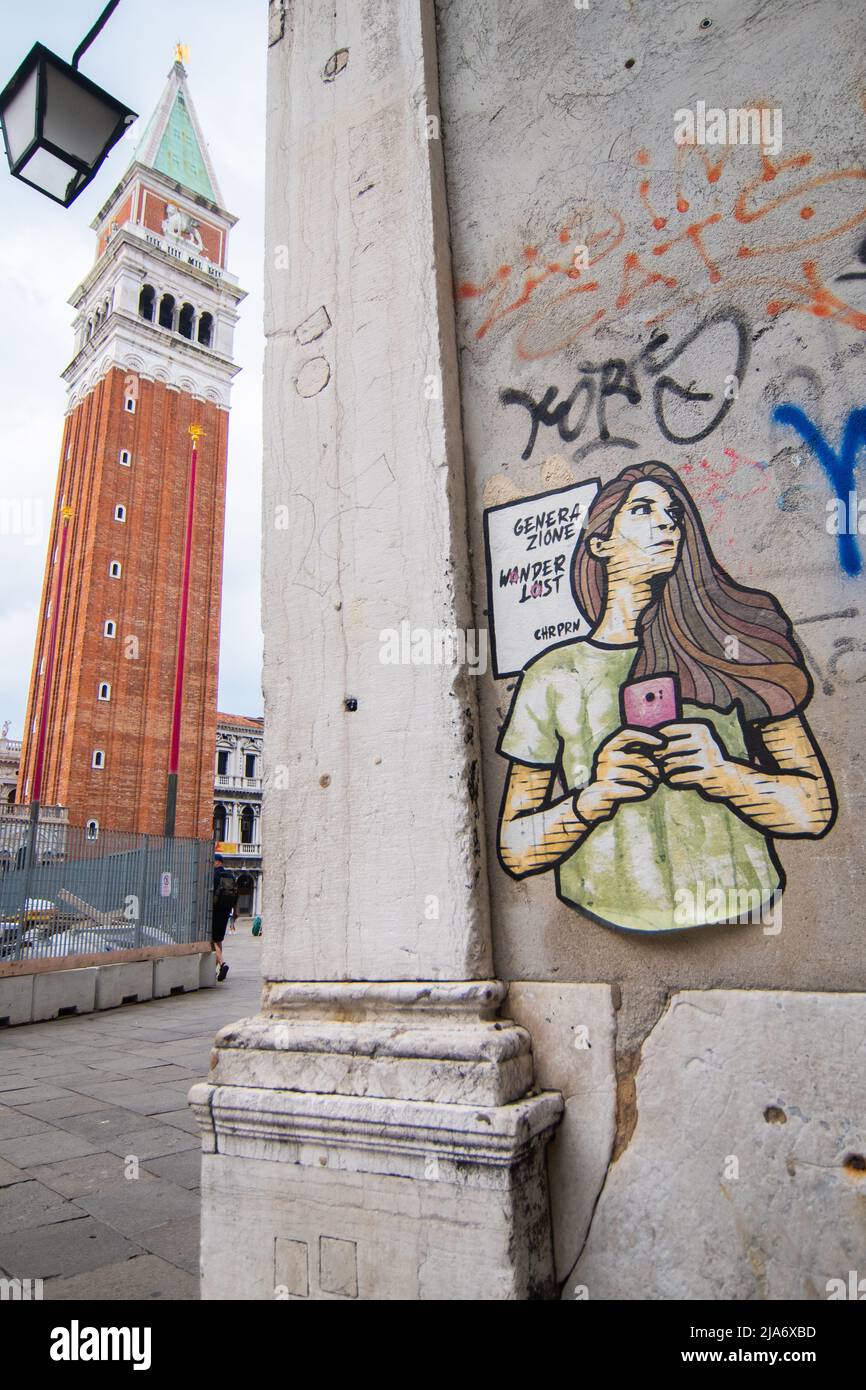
pixel 624 770
pixel 693 757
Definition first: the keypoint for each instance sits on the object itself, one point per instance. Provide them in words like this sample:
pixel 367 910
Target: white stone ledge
pixel 495 1042
pixel 467 1082
pixel 476 998
pixel 364 1134
pixel 447 1054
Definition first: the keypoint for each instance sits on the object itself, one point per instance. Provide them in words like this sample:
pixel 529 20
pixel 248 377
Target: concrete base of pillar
pixel 321 1178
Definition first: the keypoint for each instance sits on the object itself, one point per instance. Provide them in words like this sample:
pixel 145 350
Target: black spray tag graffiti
pixel 686 405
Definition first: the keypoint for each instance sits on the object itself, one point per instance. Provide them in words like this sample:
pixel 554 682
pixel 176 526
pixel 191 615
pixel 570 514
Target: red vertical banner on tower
pixel 174 746
pixel 39 763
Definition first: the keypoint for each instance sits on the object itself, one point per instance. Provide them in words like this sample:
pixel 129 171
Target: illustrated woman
pixel 646 826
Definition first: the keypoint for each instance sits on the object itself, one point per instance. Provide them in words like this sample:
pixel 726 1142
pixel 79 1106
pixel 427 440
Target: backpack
pixel 225 891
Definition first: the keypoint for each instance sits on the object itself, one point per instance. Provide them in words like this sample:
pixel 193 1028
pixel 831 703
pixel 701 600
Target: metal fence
pixel 77 895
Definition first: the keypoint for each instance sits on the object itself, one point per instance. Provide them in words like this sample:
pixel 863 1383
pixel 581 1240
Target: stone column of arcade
pixel 373 1132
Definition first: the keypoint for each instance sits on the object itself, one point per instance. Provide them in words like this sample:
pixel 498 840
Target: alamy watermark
pixel 846 518
pixel 77 1343
pixel 854 1289
pixel 709 905
pixel 20 1290
pixel 424 646
pixel 24 517
pixel 751 125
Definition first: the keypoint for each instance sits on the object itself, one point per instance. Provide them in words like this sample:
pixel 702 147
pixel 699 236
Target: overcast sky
pixel 44 254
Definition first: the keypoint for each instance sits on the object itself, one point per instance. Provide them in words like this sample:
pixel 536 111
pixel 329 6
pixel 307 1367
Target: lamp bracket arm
pixel 98 26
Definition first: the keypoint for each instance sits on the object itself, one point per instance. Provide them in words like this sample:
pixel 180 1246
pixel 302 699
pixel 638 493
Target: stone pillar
pixel 373 1132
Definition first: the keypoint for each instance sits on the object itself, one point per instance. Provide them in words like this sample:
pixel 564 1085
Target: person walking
pixel 225 896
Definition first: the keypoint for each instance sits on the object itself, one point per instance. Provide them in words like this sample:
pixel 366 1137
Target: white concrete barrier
pixel 128 983
pixel 16 1000
pixel 59 992
pixel 174 974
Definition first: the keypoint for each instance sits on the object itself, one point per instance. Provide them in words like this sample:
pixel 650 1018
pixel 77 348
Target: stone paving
pixel 86 1101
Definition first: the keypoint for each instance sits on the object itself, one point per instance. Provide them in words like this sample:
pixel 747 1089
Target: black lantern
pixel 58 126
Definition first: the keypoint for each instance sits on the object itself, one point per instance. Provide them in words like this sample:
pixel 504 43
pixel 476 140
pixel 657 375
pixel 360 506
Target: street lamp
pixel 58 126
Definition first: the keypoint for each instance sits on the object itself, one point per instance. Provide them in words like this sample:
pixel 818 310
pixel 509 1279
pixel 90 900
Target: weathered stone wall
pixel 371 807
pixel 558 127
pixel 375 1131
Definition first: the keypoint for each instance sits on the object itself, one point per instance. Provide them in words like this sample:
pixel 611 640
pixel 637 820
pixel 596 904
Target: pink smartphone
pixel 649 703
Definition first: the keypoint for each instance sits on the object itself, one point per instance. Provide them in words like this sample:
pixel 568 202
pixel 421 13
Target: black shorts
pixel 220 921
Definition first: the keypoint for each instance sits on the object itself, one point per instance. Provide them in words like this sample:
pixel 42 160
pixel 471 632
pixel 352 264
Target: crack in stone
pixel 628 1062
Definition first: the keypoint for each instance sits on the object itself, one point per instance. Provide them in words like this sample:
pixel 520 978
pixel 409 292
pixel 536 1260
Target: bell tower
pixel 154 329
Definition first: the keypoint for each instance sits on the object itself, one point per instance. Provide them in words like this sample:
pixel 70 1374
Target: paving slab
pixel 153 1143
pixel 11 1067
pixel 37 1034
pixel 14 1125
pixel 30 1203
pixel 181 1119
pixel 83 1054
pixel 28 1095
pixel 9 1173
pixel 142 1277
pixel 154 1101
pixel 38 1066
pixel 11 1081
pixel 100 1125
pixel 73 1104
pixel 57 1143
pixel 66 1247
pixel 88 1082
pixel 78 1177
pixel 179 1242
pixel 90 1079
pixel 155 1076
pixel 150 1034
pixel 140 1206
pixel 182 1168
pixel 130 1065
pixel 157 1052
pixel 70 1070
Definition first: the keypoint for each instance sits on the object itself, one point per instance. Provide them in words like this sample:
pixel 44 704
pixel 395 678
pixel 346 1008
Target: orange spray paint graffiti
pixel 733 232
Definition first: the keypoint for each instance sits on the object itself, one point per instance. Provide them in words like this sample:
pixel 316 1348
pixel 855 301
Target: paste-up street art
pixel 529 545
pixel 656 757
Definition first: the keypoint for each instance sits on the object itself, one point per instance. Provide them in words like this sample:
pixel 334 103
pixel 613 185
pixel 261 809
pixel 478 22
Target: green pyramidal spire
pixel 173 143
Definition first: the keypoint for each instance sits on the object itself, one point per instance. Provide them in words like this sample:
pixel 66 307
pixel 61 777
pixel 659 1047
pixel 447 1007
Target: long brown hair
pixel 694 613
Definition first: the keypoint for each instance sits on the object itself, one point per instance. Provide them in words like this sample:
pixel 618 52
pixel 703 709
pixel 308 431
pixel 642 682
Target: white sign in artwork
pixel 165 885
pixel 530 545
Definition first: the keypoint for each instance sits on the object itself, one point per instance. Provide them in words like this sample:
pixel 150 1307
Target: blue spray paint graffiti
pixel 839 468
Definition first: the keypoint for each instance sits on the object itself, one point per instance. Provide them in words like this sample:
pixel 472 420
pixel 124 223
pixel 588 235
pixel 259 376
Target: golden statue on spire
pixel 181 52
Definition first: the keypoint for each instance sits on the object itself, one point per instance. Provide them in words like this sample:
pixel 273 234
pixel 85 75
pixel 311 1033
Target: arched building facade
pixel 238 804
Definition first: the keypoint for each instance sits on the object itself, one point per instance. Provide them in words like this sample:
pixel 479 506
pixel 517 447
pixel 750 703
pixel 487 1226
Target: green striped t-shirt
pixel 670 861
